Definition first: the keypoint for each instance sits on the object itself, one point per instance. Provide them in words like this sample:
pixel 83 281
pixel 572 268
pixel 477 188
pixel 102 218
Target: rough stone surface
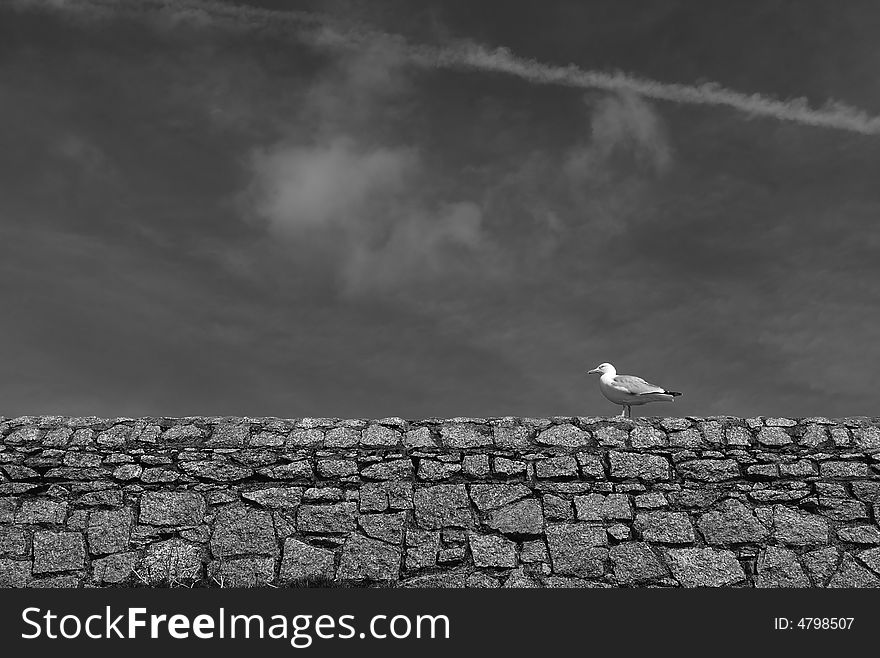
pixel 852 574
pixel 183 434
pixel 442 505
pixel 774 436
pixel 167 508
pixel 592 466
pixel 598 507
pixel 217 470
pixel 243 572
pixel 320 495
pixel 490 496
pixel 704 567
pixel 333 518
pixel 342 437
pixel 334 468
pixel 41 510
pixel 229 435
pixel 299 469
pixel 737 436
pixel 564 435
pixel 128 472
pixel 635 563
pixel 379 435
pixel 377 497
pixel 611 437
pixel 645 467
pixel 303 437
pixel 779 567
pixel 421 437
pixel 868 438
pixel 364 558
pixel 387 527
pixel 687 438
pixel 665 527
pixel 647 437
pixel 798 528
pixel 710 470
pixel 433 470
pixel 115 569
pixel 423 550
pixel 843 469
pixel 556 508
pixel 511 436
pixel 492 551
pixel 871 557
pixel 523 517
pixel 287 498
pixel 863 534
pixel 243 531
pixel 577 549
pixel 304 562
pixel 58 551
pixel 13 541
pixel 172 561
pixel 15 573
pixel 464 435
pixel 475 465
pixel 557 467
pixel 821 563
pixel 109 531
pixel 732 523
pixel 389 470
pixel 463 502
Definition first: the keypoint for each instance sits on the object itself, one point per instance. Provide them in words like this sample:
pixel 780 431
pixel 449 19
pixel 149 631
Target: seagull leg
pixel 623 412
pixel 629 411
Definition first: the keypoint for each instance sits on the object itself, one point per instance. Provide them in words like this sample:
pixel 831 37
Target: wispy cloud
pixel 465 55
pixel 621 122
pixel 357 199
pixel 358 205
pixel 329 185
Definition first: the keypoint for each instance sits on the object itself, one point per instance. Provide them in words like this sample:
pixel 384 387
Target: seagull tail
pixel 674 394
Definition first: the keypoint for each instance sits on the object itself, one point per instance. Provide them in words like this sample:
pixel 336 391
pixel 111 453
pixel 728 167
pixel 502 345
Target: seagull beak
pixel 593 371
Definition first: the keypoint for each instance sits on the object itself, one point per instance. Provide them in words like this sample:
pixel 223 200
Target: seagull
pixel 627 390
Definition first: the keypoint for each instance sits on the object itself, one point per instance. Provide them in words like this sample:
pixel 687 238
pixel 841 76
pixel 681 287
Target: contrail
pixel 463 55
pixel 832 115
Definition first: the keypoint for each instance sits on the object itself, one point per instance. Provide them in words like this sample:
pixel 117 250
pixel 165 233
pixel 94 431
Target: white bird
pixel 628 390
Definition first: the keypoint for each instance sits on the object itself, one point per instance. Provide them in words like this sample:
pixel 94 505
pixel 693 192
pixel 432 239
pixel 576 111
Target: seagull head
pixel 601 369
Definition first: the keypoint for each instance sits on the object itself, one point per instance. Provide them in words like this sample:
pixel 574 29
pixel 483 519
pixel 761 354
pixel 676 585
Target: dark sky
pixel 216 209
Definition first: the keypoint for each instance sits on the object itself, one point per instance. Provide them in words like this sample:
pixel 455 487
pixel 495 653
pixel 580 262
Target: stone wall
pixel 465 502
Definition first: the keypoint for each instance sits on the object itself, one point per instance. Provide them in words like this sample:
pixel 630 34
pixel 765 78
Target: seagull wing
pixel 635 385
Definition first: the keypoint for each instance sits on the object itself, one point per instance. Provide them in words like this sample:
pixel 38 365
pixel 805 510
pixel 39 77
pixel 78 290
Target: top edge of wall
pixel 456 432
pixel 668 422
